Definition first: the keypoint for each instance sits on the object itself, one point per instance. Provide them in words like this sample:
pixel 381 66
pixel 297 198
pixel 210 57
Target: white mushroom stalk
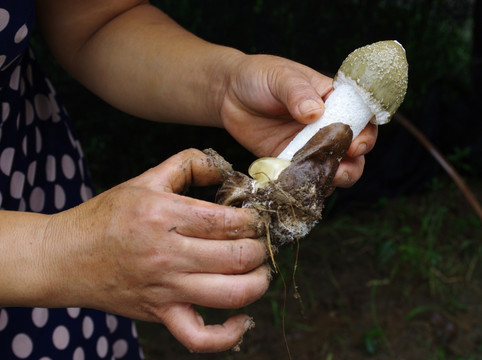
pixel 369 86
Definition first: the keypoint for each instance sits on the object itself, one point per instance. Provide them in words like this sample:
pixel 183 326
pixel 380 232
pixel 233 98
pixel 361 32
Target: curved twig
pixel 468 194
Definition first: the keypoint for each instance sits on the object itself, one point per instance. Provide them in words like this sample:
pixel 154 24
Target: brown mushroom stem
pixel 293 202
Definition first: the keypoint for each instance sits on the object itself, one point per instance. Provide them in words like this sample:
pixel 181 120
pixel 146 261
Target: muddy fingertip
pixel 248 325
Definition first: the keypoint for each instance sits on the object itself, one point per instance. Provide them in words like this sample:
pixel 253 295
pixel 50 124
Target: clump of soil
pixel 292 203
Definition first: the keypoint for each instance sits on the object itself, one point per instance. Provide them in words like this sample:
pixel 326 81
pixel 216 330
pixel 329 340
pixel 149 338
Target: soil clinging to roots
pixel 293 202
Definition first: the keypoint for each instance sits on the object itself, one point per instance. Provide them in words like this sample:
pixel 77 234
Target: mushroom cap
pixel 379 72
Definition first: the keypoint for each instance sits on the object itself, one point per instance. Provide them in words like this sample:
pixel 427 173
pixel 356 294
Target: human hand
pixel 145 252
pixel 268 101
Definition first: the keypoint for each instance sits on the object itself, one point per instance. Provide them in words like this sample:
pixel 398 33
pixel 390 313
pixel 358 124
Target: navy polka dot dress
pixel 42 170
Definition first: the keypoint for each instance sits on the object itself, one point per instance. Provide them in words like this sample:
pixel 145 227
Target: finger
pixel 349 171
pixel 202 219
pixel 224 291
pixel 188 327
pixel 180 171
pixel 364 142
pixel 302 94
pixel 221 257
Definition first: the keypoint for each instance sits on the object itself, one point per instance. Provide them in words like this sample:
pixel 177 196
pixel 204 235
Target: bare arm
pixel 135 57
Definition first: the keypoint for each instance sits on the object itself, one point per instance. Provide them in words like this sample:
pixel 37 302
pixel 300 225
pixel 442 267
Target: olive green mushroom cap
pixel 379 72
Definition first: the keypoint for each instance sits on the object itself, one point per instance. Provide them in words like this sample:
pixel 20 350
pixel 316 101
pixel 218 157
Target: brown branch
pixel 468 194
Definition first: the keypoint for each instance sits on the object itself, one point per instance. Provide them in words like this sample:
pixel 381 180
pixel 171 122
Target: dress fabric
pixel 42 170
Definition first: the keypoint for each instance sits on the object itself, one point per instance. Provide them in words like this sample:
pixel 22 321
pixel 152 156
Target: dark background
pixel 442 40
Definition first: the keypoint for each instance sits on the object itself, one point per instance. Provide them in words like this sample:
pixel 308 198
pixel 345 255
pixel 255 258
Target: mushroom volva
pixel 290 189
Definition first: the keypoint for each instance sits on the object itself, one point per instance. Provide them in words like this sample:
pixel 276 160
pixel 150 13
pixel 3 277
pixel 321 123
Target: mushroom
pixel 369 86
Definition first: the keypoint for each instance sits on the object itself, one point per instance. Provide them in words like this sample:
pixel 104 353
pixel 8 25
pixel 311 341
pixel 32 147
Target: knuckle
pixel 248 255
pixel 196 344
pixel 238 296
pixel 146 211
pixel 189 153
pixel 242 262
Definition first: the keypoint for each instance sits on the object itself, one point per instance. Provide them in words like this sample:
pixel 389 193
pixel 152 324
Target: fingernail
pixel 308 106
pixel 361 149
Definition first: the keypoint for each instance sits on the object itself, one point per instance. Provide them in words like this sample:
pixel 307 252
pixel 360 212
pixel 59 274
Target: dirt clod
pixel 294 201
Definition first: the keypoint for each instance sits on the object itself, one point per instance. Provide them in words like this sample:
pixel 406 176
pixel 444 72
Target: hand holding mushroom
pixel 370 85
pixel 269 99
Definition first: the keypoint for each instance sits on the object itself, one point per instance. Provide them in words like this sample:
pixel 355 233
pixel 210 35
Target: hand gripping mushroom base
pixel 290 189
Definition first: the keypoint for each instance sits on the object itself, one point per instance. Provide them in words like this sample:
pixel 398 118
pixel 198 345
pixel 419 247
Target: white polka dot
pixel 59 197
pixel 134 330
pixel 87 327
pixel 17 182
pixel 18 121
pixel 42 106
pixel 102 347
pixel 120 348
pixel 68 166
pixel 6 160
pixel 85 192
pixel 38 140
pixel 45 358
pixel 40 316
pixel 51 87
pixel 55 108
pixel 37 199
pixel 5 66
pixel 29 114
pixel 78 354
pixel 3 316
pixel 32 168
pixel 5 111
pixel 50 168
pixel 79 148
pixel 4 18
pixel 22 346
pixel 15 78
pixel 2 60
pixel 111 322
pixel 61 337
pixel 73 312
pixel 22 206
pixel 21 34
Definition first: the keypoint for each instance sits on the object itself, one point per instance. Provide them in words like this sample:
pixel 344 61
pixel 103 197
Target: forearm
pixel 140 61
pixel 23 275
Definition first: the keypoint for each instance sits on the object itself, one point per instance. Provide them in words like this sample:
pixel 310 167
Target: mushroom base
pixel 293 202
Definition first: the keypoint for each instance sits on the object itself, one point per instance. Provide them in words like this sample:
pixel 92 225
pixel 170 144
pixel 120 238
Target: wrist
pixel 221 76
pixel 65 267
pixel 23 280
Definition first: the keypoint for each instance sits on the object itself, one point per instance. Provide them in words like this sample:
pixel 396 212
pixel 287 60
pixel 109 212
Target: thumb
pixel 186 168
pixel 188 327
pixel 302 91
